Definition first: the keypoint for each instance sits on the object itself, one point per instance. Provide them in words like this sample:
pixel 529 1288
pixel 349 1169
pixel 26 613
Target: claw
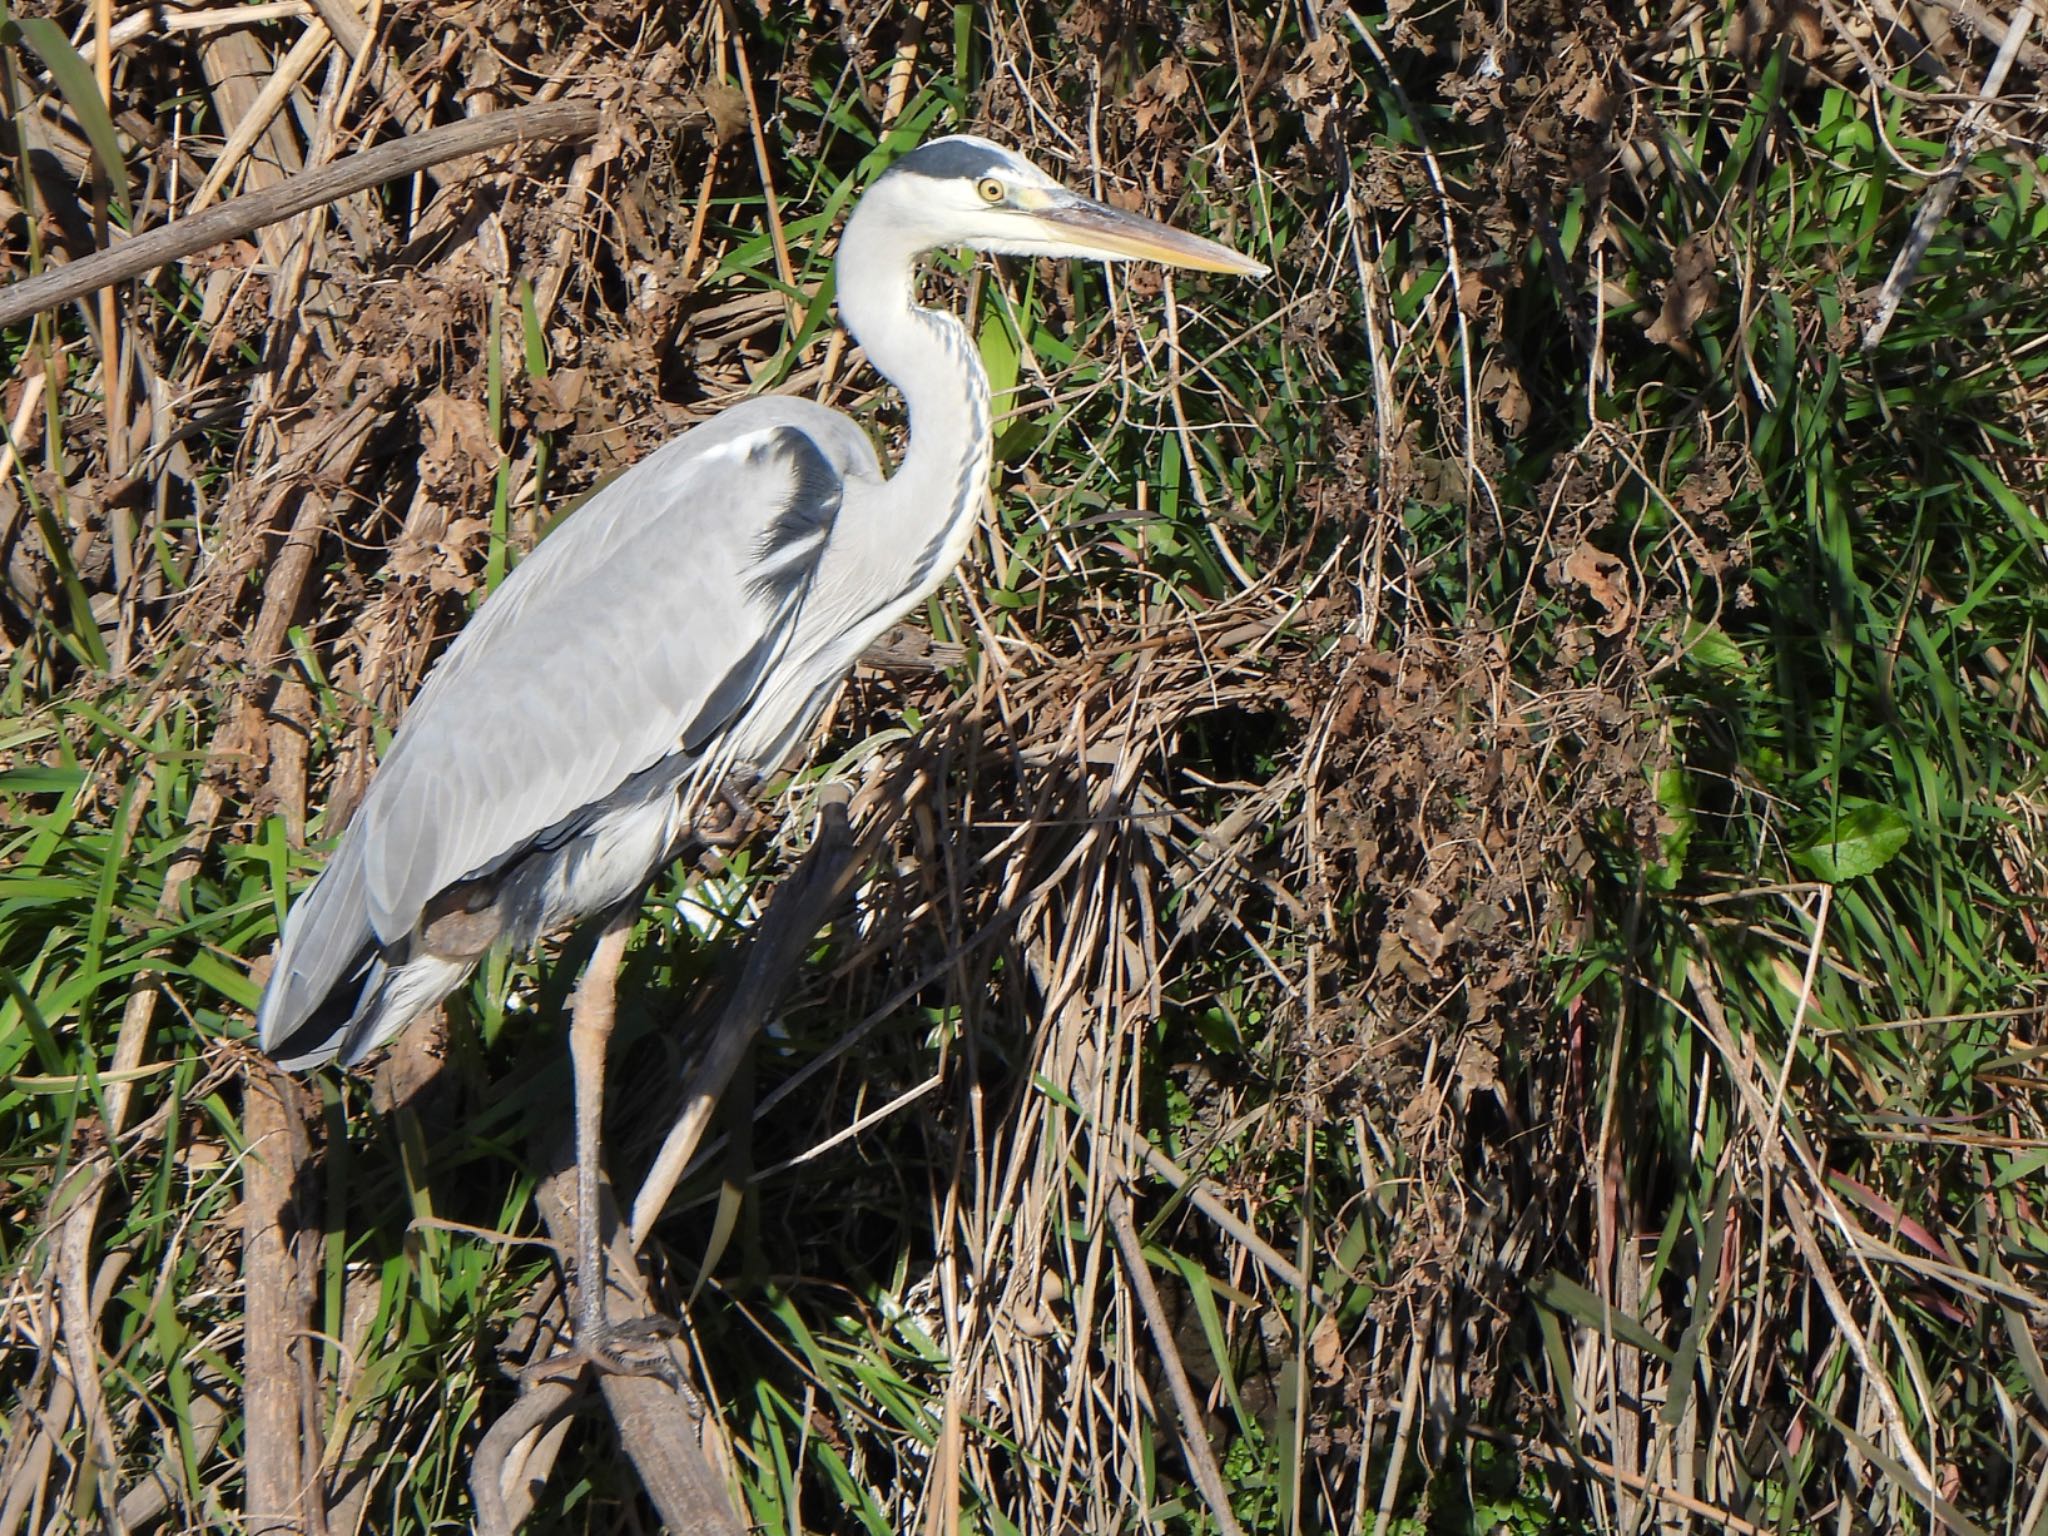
pixel 731 828
pixel 619 1349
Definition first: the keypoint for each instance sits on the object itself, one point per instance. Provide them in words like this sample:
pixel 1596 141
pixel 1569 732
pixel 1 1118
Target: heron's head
pixel 966 191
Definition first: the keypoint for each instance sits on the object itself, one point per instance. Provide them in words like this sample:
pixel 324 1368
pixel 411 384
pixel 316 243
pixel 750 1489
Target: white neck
pixel 936 491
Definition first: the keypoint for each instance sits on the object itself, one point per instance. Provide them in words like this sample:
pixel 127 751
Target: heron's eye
pixel 991 189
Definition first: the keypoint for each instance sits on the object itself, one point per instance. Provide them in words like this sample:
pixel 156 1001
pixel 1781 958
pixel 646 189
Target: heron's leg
pixel 596 1342
pixel 590 1028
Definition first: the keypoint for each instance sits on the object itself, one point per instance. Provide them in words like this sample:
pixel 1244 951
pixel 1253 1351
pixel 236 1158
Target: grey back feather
pixel 635 631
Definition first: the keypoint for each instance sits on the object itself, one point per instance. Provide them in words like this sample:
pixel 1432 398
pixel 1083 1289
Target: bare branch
pixel 574 119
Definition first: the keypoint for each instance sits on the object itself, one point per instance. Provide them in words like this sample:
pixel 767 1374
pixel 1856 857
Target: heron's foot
pixel 636 1348
pixel 728 820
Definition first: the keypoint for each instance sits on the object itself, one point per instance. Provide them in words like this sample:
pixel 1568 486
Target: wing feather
pixel 637 628
pixel 641 626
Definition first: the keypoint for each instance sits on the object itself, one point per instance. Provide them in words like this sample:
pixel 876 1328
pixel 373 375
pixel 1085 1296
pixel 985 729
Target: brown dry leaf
pixel 1760 25
pixel 455 437
pixel 1500 386
pixel 1323 64
pixel 1478 1063
pixel 556 397
pixel 1415 1117
pixel 1706 490
pixel 1592 102
pixel 1692 291
pixel 442 562
pixel 1314 83
pixel 727 108
pixel 1159 89
pixel 1413 944
pixel 450 571
pixel 1326 1351
pixel 1605 578
pixel 410 558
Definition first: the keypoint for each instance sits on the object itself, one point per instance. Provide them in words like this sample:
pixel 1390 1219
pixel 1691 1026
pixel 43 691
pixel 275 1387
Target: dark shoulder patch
pixel 951 159
pixel 795 535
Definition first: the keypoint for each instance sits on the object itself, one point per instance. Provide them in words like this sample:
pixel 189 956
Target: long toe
pixel 636 1348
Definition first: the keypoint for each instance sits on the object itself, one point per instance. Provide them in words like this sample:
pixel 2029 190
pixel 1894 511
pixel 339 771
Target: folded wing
pixel 640 628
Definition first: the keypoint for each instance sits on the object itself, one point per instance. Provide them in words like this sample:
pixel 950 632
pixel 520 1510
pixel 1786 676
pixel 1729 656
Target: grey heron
pixel 684 627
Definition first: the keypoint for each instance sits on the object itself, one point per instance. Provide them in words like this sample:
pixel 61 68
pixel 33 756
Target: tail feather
pixel 393 995
pixel 337 991
pixel 327 944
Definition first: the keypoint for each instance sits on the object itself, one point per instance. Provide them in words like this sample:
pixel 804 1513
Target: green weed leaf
pixel 1708 646
pixel 1675 825
pixel 1562 1294
pixel 46 40
pixel 1861 841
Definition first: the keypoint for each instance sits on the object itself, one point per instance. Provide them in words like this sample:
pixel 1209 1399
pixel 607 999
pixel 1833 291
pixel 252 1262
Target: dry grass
pixel 1447 937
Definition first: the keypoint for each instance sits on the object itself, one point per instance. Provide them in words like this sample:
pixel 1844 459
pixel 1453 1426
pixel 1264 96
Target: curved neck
pixel 928 356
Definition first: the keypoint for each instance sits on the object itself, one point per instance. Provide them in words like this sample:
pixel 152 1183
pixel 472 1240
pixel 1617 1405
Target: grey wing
pixel 638 628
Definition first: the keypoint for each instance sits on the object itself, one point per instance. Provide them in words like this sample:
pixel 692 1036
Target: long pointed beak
pixel 1116 235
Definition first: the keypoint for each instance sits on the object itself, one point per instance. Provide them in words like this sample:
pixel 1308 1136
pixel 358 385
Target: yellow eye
pixel 991 189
